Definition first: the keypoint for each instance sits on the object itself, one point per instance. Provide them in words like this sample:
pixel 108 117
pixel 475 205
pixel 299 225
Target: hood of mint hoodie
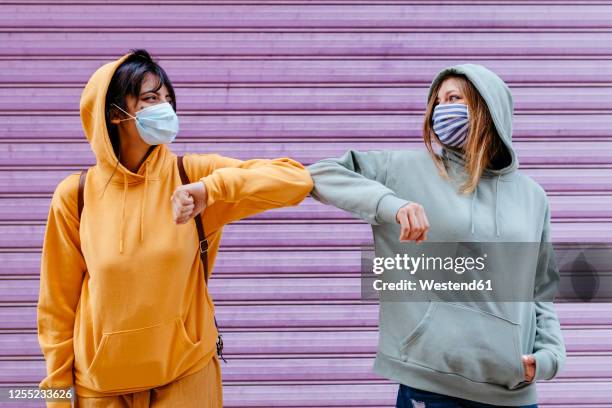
pixel 447 347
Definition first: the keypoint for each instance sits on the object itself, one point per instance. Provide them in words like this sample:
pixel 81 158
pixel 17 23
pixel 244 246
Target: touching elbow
pixel 302 188
pixel 302 183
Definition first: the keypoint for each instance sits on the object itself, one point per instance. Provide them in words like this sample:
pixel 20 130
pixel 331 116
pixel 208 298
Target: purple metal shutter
pixel 308 80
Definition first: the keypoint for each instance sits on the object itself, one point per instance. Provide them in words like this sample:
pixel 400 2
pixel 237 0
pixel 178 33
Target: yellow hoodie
pixel 123 304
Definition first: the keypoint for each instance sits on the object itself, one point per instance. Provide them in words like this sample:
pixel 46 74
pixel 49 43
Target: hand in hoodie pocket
pixel 529 364
pixel 474 344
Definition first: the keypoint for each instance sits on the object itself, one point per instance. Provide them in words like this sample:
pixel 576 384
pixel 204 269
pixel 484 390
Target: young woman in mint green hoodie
pixel 445 354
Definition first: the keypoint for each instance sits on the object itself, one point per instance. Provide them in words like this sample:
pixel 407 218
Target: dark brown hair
pixel 127 81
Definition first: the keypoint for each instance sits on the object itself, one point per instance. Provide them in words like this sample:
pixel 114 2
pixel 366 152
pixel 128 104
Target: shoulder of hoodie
pixel 66 193
pixel 529 185
pixel 422 156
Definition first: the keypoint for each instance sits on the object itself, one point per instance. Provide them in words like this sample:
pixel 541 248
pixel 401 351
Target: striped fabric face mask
pixel 451 123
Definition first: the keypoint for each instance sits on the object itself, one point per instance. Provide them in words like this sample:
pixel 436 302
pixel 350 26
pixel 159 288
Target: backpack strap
pixel 80 201
pixel 198 221
pixel 203 250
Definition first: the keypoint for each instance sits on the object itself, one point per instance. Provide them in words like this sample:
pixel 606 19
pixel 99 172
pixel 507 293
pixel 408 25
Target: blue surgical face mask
pixel 156 124
pixel 451 123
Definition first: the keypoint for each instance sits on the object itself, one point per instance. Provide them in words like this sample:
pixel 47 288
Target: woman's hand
pixel 414 223
pixel 529 364
pixel 188 201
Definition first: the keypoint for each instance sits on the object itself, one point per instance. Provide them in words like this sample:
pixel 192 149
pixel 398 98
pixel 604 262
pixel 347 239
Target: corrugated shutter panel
pixel 308 79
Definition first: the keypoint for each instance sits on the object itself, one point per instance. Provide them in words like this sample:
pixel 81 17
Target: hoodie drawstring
pixel 497 206
pixel 144 198
pixel 125 186
pixel 142 207
pixel 497 232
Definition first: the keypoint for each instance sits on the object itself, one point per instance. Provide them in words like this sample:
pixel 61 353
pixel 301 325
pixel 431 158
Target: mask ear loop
pixel 123 120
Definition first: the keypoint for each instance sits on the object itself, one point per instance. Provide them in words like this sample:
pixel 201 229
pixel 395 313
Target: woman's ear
pixel 114 115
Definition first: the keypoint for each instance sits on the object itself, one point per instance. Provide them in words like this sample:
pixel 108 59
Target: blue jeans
pixel 408 397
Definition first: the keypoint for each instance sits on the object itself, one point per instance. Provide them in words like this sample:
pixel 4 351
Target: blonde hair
pixel 482 143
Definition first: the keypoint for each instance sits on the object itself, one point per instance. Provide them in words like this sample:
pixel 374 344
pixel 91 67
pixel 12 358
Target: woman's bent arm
pixel 236 189
pixel 355 182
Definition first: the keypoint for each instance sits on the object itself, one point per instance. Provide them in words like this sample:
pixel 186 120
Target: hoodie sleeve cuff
pixel 545 365
pixel 213 191
pixel 387 209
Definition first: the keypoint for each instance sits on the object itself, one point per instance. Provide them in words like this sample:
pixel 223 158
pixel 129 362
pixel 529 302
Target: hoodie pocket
pixel 141 358
pixel 456 339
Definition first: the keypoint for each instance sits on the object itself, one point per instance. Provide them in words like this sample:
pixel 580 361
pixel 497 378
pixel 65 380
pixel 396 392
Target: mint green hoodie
pixel 449 348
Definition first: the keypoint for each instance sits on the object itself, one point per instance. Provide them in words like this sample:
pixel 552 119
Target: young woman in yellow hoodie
pixel 124 313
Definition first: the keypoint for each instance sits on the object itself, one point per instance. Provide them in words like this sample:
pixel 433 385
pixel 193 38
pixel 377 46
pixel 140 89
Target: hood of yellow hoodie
pixel 115 174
